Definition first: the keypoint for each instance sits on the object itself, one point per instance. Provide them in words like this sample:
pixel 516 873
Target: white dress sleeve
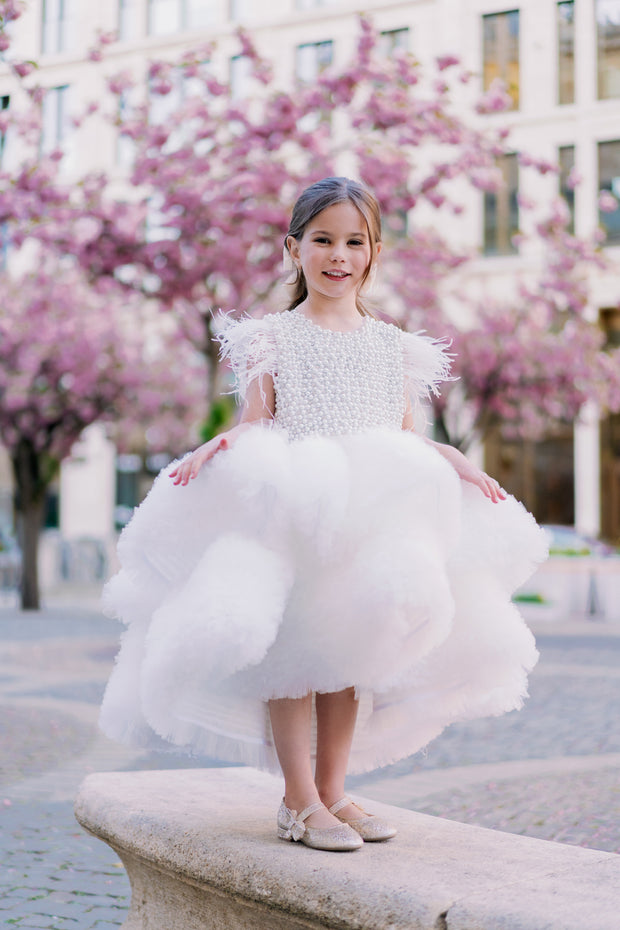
pixel 249 346
pixel 426 364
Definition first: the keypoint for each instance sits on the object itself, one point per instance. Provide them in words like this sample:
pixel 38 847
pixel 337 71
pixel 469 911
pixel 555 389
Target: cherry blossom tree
pixel 223 173
pixel 531 362
pixel 212 184
pixel 71 356
pixel 216 179
pixel 74 351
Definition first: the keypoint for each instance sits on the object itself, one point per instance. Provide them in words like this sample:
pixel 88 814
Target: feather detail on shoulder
pixel 426 364
pixel 249 347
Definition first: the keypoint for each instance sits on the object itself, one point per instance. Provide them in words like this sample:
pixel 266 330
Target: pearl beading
pixel 330 383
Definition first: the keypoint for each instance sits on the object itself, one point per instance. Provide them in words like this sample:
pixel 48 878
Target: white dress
pixel 331 549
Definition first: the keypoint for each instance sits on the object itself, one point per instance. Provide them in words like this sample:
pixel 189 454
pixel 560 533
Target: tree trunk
pixel 31 487
pixel 440 428
pixel 212 355
pixel 30 522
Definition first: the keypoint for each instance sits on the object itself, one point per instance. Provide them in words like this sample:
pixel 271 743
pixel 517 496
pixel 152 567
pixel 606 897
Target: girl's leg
pixel 336 714
pixel 290 724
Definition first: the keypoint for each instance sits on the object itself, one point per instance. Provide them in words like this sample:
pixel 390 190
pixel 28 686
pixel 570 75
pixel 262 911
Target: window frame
pixel 565 63
pixel 505 203
pixel 503 62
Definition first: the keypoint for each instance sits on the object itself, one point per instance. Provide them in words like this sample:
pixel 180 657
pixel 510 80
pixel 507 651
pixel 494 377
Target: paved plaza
pixel 550 771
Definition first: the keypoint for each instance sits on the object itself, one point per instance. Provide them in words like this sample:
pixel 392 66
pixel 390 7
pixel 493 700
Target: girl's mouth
pixel 336 275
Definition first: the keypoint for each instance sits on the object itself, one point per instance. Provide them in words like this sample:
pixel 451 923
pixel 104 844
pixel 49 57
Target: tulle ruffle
pixel 316 565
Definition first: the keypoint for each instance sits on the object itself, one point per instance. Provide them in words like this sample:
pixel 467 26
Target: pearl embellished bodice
pixel 331 383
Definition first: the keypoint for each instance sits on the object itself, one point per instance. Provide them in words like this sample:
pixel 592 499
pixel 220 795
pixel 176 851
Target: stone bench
pixel 201 851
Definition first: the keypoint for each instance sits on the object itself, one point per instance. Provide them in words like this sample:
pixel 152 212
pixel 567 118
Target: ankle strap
pixel 312 809
pixel 339 805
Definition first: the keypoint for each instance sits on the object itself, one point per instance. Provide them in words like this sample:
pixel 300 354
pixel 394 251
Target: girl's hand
pixel 259 410
pixel 489 486
pixel 468 472
pixel 190 467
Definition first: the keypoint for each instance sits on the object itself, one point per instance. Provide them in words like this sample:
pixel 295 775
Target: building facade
pixel 561 63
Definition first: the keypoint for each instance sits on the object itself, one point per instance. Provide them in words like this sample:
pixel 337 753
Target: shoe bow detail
pixel 291 825
pixel 291 829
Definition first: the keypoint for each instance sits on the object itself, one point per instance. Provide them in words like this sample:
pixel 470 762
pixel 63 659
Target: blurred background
pixel 150 151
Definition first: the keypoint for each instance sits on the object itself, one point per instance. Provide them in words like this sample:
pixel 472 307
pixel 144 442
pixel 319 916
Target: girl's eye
pixel 321 239
pixel 355 242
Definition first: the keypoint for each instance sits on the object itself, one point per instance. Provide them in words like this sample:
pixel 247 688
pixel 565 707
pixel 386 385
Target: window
pixel 610 441
pixel 501 210
pixel 4 229
pixel 128 468
pixel 5 246
pixel 9 33
pixel 608 41
pixel 314 4
pixel 125 145
pixel 57 34
pixel 56 125
pixel 4 105
pixel 500 51
pixel 541 474
pixel 165 108
pixel 245 10
pixel 566 158
pixel 240 76
pixel 393 39
pixel 168 16
pixel 609 180
pixel 312 58
pixel 129 20
pixel 164 16
pixel 198 14
pixel 566 51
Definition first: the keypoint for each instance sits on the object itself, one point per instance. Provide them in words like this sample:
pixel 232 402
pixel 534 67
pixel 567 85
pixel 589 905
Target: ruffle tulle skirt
pixel 317 565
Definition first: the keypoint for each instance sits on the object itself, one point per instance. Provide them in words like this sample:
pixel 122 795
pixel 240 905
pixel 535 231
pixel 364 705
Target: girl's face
pixel 334 252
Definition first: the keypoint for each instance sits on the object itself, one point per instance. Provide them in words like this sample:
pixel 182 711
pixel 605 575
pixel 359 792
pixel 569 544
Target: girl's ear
pixel 293 247
pixel 378 247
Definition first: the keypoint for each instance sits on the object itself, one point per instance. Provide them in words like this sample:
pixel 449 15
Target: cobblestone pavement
pixel 548 771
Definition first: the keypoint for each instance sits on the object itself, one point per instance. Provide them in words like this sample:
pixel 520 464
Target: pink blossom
pixel 23 68
pixel 447 61
pixel 607 203
pixel 211 195
pixel 495 100
pixel 120 83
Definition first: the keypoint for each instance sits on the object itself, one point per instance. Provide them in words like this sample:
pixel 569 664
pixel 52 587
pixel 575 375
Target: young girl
pixel 320 586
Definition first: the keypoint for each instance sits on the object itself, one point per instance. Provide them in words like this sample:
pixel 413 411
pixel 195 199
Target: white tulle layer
pixel 317 565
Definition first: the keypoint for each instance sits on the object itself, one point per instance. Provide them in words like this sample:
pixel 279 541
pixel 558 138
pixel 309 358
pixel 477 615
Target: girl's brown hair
pixel 319 197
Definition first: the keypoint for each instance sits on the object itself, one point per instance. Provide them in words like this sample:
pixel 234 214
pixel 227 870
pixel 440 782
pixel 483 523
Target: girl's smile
pixel 334 254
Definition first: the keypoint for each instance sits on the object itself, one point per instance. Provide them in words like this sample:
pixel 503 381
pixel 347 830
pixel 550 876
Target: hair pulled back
pixel 319 197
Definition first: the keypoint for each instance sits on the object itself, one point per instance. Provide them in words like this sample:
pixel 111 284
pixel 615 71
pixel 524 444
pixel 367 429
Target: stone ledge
pixel 201 852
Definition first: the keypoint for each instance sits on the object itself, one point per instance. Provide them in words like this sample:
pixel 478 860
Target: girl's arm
pixel 462 466
pixel 260 404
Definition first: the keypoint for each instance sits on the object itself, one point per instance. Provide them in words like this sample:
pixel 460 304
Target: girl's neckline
pixel 325 329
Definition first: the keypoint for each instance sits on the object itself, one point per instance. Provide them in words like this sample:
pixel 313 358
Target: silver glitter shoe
pixel 371 829
pixel 291 826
